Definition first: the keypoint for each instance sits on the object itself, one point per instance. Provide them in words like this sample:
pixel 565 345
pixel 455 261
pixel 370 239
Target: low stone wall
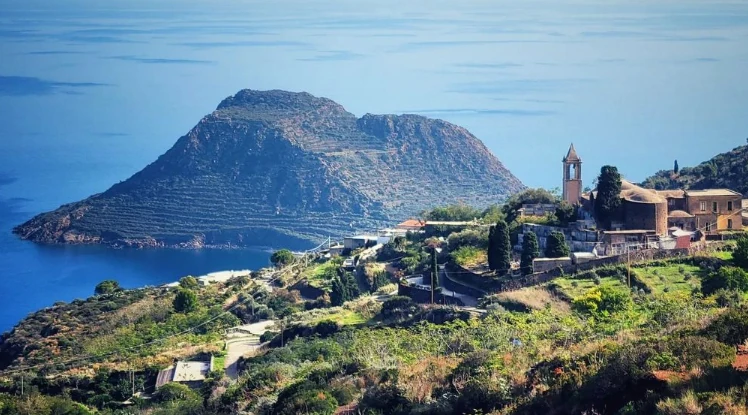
pixel 451 283
pixel 424 296
pixel 470 278
pixel 634 256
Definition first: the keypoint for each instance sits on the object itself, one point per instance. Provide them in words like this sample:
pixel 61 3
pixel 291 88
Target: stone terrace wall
pixel 424 296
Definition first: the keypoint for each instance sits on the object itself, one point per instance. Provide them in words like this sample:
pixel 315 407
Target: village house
pixel 190 373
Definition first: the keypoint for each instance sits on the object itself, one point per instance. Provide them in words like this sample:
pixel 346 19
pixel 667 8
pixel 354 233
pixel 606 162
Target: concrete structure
pixel 537 209
pixel 582 257
pixel 358 241
pixel 190 373
pixel 546 264
pixel 578 238
pixel 572 184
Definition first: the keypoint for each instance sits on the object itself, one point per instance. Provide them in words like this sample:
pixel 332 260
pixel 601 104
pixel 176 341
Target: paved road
pixel 241 341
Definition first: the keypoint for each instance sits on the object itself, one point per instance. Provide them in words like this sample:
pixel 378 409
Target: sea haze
pixel 91 92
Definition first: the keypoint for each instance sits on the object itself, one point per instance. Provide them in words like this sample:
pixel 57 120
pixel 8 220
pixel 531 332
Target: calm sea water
pixel 91 91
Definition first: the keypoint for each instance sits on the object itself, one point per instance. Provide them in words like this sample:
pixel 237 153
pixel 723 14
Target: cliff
pixel 280 168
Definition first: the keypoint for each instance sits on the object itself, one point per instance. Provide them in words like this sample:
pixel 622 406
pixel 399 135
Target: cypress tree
pixel 499 248
pixel 608 198
pixel 676 169
pixel 530 251
pixel 555 246
pixel 434 271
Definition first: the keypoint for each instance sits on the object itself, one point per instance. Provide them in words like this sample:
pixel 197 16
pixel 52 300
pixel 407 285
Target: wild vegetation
pixel 658 337
pixel 727 170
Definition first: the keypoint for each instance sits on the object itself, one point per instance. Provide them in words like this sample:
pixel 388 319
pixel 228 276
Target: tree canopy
pixel 499 248
pixel 740 255
pixel 185 301
pixel 529 196
pixel 530 251
pixel 608 198
pixel 282 258
pixel 107 287
pixel 555 245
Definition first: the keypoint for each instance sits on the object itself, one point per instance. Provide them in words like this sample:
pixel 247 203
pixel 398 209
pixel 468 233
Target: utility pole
pixel 628 263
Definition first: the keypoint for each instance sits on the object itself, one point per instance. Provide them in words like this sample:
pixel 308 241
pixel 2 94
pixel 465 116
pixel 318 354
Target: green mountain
pixel 726 170
pixel 280 169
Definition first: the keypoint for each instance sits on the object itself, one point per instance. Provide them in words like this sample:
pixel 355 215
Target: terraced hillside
pixel 282 168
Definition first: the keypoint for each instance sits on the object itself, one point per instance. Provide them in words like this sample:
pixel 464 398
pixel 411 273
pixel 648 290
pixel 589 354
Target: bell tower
pixel 572 189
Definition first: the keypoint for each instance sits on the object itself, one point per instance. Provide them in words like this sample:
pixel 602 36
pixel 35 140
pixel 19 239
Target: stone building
pixel 572 185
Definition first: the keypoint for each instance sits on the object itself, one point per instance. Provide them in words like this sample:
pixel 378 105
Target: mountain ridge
pixel 284 168
pixel 725 170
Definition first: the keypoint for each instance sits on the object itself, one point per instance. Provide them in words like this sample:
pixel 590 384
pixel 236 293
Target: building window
pixel 714 207
pixel 671 202
pixel 729 223
pixel 708 227
pixel 729 205
pixel 702 206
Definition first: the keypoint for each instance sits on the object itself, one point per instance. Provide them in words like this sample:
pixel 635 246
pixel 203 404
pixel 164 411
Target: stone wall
pixel 579 240
pixel 424 296
pixel 646 216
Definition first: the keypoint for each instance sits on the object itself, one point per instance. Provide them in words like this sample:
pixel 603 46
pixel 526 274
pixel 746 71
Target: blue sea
pixel 92 91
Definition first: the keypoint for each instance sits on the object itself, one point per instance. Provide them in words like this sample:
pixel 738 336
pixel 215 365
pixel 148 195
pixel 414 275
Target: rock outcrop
pixel 270 168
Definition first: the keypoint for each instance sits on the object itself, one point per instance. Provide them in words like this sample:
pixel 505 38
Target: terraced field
pixel 279 168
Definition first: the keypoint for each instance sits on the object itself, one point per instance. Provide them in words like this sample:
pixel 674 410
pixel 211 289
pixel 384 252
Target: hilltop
pixel 727 170
pixel 279 168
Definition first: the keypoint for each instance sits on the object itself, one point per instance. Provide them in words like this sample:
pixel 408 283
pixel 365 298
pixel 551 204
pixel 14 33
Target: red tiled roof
pixel 412 223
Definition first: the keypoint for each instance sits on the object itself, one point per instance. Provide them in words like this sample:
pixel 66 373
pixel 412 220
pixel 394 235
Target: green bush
pixel 731 327
pixel 740 254
pixel 305 397
pixel 282 258
pixel 189 282
pixel 729 278
pixel 185 301
pixel 173 391
pixel 107 287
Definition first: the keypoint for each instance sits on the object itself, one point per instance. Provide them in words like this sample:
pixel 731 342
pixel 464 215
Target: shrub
pixel 305 397
pixel 185 301
pixel 385 399
pixel 731 327
pixel 326 328
pixel 477 238
pixel 731 278
pixel 727 298
pixel 188 282
pixel 282 258
pixel 267 336
pixel 172 392
pixel 107 287
pixel 466 255
pixel 740 254
pixel 398 308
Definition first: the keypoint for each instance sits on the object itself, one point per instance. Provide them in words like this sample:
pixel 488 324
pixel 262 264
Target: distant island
pixel 277 168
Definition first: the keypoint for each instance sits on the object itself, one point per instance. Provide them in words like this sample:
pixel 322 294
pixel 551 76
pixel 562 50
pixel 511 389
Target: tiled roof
pixel 678 193
pixel 712 192
pixel 411 223
pixel 679 214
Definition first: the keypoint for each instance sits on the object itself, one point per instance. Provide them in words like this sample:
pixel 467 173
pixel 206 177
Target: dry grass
pixel 536 298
